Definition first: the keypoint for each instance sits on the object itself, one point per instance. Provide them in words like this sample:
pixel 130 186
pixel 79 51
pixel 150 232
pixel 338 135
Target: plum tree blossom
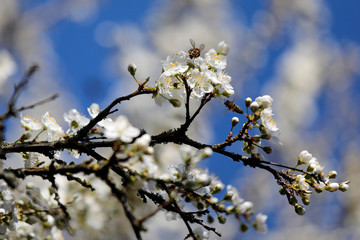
pixel 75 120
pixel 122 129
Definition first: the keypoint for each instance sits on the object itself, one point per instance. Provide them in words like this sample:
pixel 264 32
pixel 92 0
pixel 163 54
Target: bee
pixel 195 52
pixel 233 107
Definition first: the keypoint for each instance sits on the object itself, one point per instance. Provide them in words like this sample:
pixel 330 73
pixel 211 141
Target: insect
pixel 233 107
pixel 195 52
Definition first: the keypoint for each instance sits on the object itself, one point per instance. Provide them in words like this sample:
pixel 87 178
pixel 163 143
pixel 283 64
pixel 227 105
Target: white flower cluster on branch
pixel 184 191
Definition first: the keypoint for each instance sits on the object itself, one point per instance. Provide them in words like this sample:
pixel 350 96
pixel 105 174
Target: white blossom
pixel 30 124
pixel 143 142
pixel 55 132
pixel 31 159
pixel 233 194
pixel 215 60
pixel 201 82
pixel 303 185
pixel 223 48
pixel 175 64
pixel 244 207
pixel 94 110
pixel 171 87
pixel 314 166
pixel 264 101
pixel 75 119
pixel 122 129
pixel 304 157
pixel 268 121
pixel 223 86
pixel 201 233
pixel 260 223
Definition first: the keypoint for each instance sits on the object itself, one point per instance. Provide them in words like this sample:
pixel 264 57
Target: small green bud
pixel 282 191
pixel 27 135
pixel 221 219
pixel 210 219
pixel 256 138
pixel 267 150
pixel 200 206
pixel 300 210
pixel 176 103
pixel 244 228
pixel 221 207
pixel 305 200
pixel 293 200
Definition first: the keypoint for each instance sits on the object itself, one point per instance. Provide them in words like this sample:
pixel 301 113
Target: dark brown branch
pixel 82 133
pixel 184 127
pixel 238 137
pixel 121 196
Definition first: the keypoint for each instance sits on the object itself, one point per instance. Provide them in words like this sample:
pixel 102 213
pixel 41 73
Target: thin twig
pixel 46 100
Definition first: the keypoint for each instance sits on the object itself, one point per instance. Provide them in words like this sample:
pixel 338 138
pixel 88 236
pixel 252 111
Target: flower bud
pixel 305 200
pixel 332 174
pixel 244 228
pixel 223 48
pixel 293 200
pixel 304 157
pixel 26 135
pixel 266 101
pixel 210 219
pixel 282 191
pixel 207 152
pixel 234 121
pixel 332 187
pixel 256 138
pixel 221 219
pixel 221 207
pixel 200 206
pixel 132 69
pixel 254 106
pixel 175 102
pixel 267 150
pixel 248 101
pixel 300 210
pixel 229 209
pixel 228 93
pixel 344 186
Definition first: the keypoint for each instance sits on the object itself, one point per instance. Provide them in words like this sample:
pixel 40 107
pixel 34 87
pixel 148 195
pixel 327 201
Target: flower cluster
pixel 120 128
pixel 198 76
pixel 201 189
pixel 261 111
pixel 313 177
